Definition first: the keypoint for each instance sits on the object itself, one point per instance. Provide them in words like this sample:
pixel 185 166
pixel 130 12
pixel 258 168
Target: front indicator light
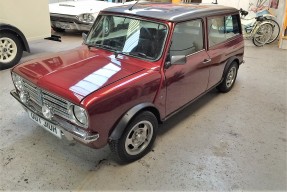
pixel 47 112
pixel 24 97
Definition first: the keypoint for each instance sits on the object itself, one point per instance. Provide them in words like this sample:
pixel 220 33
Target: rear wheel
pixel 229 78
pixel 11 50
pixel 262 34
pixel 137 138
pixel 275 31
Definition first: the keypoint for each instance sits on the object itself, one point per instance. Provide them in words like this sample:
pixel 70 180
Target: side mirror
pixel 178 59
pixel 84 36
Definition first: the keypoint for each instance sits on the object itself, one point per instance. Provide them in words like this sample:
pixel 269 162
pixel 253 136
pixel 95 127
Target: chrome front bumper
pixel 71 25
pixel 69 130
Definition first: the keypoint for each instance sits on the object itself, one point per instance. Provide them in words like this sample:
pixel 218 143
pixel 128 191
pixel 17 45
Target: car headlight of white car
pixel 86 18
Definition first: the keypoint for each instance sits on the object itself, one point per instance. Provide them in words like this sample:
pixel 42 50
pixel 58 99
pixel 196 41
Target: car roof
pixel 172 12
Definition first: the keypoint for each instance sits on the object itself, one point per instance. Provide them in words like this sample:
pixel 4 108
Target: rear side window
pixel 187 38
pixel 222 28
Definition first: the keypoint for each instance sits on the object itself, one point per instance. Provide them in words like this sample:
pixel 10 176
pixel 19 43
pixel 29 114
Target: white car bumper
pixel 68 22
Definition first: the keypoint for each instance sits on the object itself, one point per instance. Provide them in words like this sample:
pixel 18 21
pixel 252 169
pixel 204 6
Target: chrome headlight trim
pixel 80 114
pixel 18 82
pixel 86 18
pixel 82 119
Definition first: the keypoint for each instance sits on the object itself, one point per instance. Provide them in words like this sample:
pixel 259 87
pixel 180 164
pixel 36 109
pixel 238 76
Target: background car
pixel 78 15
pixel 19 28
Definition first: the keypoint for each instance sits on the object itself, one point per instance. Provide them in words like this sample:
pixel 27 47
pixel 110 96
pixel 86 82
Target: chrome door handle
pixel 206 61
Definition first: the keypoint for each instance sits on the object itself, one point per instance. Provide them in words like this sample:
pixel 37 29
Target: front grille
pixel 59 106
pixel 64 18
pixel 39 97
pixel 34 92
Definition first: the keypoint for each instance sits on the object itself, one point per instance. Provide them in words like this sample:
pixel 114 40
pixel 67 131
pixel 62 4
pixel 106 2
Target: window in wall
pixel 187 38
pixel 222 28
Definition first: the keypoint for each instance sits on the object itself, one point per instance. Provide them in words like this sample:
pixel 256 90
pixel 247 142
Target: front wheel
pixel 137 138
pixel 229 78
pixel 11 50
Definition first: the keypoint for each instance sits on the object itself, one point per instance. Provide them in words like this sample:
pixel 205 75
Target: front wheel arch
pixel 127 117
pixel 137 139
pixel 5 28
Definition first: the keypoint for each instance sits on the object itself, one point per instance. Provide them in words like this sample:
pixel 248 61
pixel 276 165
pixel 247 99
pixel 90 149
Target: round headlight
pixel 86 17
pixel 90 18
pixel 18 82
pixel 80 114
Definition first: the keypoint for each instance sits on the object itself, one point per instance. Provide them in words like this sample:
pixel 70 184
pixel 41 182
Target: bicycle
pixel 262 29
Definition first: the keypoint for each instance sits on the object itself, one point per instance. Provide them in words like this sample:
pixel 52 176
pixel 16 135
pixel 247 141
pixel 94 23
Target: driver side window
pixel 187 38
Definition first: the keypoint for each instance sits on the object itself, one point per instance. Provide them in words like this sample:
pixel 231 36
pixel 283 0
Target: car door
pixel 185 82
pixel 224 41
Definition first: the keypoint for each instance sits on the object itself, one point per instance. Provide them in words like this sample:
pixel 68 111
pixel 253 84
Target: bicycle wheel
pixel 275 29
pixel 262 34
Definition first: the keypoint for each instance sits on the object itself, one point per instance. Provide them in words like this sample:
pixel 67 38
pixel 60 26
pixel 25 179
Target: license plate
pixel 45 124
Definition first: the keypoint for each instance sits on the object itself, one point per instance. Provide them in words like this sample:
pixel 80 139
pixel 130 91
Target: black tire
pixel 56 29
pixel 256 43
pixel 229 78
pixel 8 43
pixel 276 31
pixel 126 151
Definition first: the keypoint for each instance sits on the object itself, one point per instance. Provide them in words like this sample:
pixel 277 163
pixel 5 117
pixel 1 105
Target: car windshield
pixel 129 36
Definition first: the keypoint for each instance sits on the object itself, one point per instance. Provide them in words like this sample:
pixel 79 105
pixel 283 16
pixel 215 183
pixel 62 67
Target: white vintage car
pixel 79 14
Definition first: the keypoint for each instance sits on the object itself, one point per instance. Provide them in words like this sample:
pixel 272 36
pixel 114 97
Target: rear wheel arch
pixel 229 77
pixel 229 62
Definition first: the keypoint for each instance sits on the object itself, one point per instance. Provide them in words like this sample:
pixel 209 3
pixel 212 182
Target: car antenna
pixel 131 8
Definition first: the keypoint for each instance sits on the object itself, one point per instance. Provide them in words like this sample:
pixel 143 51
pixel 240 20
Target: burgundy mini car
pixel 137 67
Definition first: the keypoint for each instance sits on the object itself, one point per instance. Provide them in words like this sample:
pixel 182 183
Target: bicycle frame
pixel 251 25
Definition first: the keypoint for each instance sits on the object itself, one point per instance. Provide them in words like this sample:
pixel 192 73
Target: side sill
pixel 190 102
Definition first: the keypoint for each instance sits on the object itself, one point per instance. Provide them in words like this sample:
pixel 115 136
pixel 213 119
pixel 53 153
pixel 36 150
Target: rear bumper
pixel 69 130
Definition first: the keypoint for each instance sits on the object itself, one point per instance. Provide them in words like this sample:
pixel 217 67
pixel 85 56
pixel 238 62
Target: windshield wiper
pixel 140 54
pixel 106 46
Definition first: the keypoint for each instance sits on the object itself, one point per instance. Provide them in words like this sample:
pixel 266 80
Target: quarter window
pixel 187 38
pixel 222 28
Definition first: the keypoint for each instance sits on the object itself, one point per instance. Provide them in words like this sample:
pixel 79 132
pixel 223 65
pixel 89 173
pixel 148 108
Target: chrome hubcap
pixel 8 50
pixel 230 77
pixel 139 137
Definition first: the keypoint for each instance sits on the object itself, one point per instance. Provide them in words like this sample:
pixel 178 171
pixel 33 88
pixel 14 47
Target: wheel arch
pixel 229 62
pixel 129 116
pixel 14 30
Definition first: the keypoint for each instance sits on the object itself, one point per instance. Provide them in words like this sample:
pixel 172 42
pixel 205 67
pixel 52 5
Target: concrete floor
pixel 234 141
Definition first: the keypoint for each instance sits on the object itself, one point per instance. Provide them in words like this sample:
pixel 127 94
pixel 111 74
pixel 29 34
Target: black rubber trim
pixel 7 27
pixel 230 60
pixel 120 127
